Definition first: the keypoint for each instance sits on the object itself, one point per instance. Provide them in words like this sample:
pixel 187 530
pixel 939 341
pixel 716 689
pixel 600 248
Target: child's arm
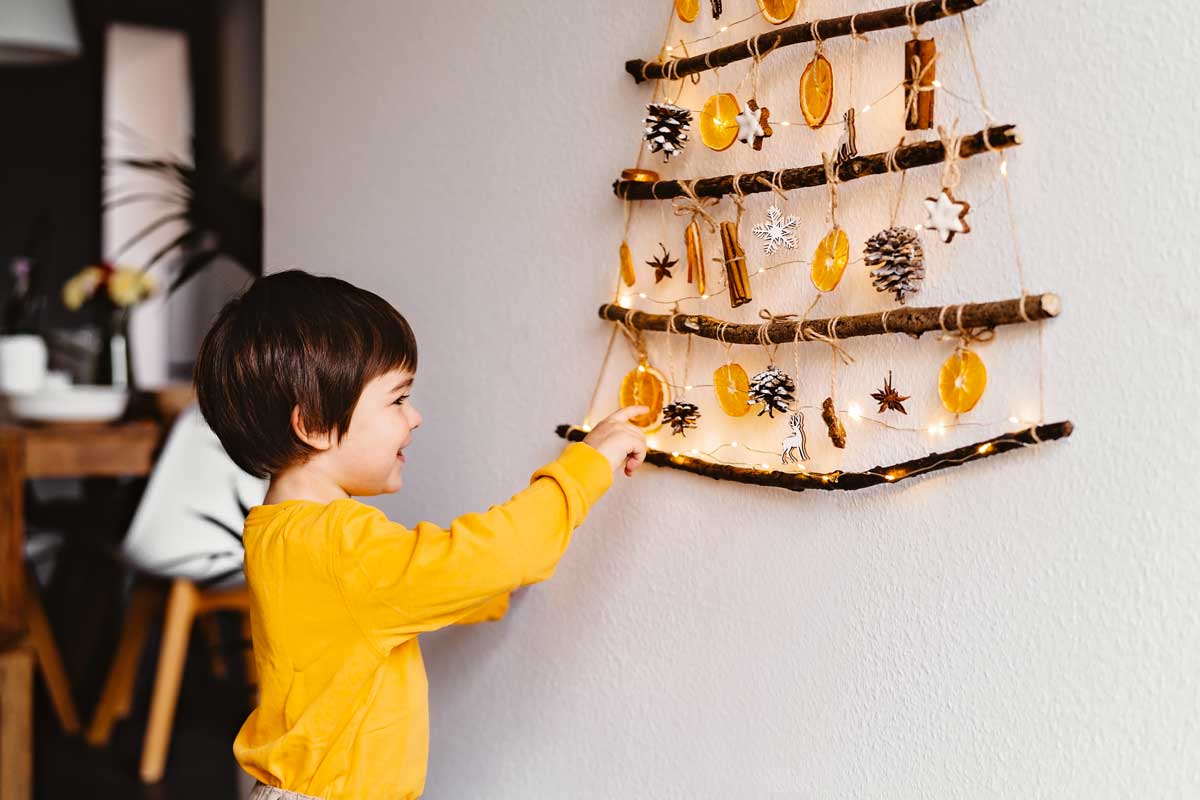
pixel 401 582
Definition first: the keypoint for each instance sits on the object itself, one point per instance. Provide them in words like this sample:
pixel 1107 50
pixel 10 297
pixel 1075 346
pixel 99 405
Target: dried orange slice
pixel 962 381
pixel 830 259
pixel 777 11
pixel 733 389
pixel 718 121
pixel 645 386
pixel 627 273
pixel 816 91
pixel 687 10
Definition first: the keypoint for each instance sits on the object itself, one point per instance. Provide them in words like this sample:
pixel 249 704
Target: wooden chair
pixel 185 541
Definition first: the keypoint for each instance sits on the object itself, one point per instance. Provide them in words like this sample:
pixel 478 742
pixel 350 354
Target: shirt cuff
pixel 588 466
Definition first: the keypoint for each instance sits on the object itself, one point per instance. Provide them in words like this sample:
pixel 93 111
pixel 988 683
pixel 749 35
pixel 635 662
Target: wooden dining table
pixel 123 448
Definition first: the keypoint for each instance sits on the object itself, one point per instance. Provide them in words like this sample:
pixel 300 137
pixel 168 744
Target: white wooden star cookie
pixel 945 215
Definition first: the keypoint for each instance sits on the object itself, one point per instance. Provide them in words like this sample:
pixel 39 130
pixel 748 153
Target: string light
pixel 855 411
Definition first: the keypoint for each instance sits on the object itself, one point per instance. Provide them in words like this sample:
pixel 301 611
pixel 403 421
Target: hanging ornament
pixel 816 89
pixel 830 260
pixel 837 431
pixel 777 232
pixel 695 256
pixel 888 398
pixel 732 388
pixel 848 143
pixel 681 415
pixel 919 76
pixel 962 380
pixel 773 389
pixel 900 259
pixel 687 10
pixel 753 126
pixel 716 9
pixel 777 12
pixel 718 121
pixel 666 128
pixel 645 386
pixel 662 264
pixel 628 276
pixel 793 447
pixel 737 279
pixel 946 215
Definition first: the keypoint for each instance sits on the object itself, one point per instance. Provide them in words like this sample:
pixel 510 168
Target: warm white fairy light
pixel 625 301
pixel 1004 167
pixel 855 411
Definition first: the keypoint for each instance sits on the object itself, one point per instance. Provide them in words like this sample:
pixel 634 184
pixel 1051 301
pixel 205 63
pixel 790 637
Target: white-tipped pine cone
pixel 773 388
pixel 900 261
pixel 666 128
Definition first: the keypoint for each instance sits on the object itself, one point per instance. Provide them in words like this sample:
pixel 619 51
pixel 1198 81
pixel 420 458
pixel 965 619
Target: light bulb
pixel 1004 167
pixel 624 301
pixel 865 109
pixel 642 295
pixel 855 411
pixel 723 29
pixel 733 444
pixel 984 449
pixel 937 84
pixel 703 297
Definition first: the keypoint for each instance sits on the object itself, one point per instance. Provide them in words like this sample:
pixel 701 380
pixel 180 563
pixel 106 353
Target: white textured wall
pixel 1025 627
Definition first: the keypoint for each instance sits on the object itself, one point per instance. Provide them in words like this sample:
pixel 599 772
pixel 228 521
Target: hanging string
pixel 952 144
pixel 895 197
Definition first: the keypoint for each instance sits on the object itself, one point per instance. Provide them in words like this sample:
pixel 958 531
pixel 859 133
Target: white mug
pixel 23 361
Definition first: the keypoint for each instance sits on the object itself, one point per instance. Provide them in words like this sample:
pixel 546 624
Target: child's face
pixel 368 459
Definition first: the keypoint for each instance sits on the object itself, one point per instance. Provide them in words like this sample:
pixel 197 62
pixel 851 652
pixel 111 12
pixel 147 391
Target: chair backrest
pixel 189 521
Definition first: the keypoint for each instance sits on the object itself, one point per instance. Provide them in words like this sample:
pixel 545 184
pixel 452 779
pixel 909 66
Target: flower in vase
pixel 129 286
pixel 123 286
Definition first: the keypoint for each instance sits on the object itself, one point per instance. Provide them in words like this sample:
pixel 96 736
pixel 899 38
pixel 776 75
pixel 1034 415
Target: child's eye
pixel 400 400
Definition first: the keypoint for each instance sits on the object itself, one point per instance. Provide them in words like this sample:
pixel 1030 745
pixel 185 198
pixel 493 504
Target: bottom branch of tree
pixel 831 481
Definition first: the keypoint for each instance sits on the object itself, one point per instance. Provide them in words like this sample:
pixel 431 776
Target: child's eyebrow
pixel 404 383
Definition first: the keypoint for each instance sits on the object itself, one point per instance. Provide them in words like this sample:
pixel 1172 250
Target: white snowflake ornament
pixel 777 232
pixel 945 215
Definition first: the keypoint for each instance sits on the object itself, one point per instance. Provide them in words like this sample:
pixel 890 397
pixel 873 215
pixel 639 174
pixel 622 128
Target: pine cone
pixel 666 128
pixel 773 388
pixel 680 415
pixel 900 259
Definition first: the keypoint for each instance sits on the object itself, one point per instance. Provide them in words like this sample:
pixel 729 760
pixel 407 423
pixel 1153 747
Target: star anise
pixel 889 398
pixel 662 264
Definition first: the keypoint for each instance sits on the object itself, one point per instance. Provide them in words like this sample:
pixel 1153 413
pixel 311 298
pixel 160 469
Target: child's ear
pixel 321 441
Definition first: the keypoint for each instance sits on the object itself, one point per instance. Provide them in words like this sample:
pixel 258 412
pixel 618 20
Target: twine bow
pixel 695 205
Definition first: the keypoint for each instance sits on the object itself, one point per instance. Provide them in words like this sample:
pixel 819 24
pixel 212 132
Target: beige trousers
pixel 264 792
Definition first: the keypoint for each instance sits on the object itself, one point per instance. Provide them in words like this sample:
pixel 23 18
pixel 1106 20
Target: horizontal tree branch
pixel 920 154
pixel 832 481
pixel 865 22
pixel 912 321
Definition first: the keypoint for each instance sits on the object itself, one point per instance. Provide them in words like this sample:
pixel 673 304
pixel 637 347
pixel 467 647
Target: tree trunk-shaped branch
pixel 913 321
pixel 831 481
pixel 798 34
pixel 913 155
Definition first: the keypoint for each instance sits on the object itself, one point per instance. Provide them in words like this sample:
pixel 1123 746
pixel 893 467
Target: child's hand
pixel 619 440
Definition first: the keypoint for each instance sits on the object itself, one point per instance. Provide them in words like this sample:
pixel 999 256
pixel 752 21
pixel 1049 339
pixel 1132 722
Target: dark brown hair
pixel 294 339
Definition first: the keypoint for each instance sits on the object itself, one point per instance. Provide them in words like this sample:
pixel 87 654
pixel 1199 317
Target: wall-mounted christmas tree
pixel 894 254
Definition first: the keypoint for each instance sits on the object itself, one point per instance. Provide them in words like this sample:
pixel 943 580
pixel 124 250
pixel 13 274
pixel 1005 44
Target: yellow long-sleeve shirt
pixel 340 593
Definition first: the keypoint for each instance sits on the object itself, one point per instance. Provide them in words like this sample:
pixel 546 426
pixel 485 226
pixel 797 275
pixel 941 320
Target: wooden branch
pixel 914 155
pixel 832 481
pixel 913 321
pixel 865 22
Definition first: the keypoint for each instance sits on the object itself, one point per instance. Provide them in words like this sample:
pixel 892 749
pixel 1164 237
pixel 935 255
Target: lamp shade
pixel 37 32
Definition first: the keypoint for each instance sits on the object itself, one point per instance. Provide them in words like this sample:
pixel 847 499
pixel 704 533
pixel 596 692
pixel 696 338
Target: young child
pixel 306 380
